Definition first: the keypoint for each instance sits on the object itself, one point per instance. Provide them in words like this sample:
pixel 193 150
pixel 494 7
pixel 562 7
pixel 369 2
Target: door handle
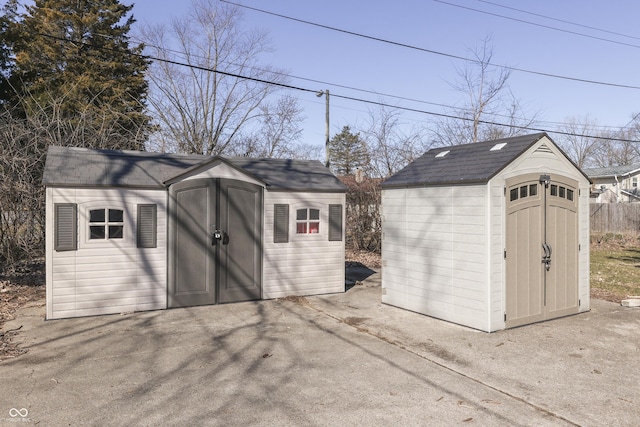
pixel 546 258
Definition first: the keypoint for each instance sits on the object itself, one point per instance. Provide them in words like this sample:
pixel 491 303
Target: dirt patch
pixel 354 321
pixel 295 299
pixel 21 285
pixel 362 258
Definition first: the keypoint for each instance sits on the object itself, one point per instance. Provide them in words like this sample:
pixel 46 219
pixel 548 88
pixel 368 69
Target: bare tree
pixel 277 134
pixel 490 110
pixel 577 142
pixel 203 106
pixel 589 145
pixel 24 141
pixel 391 148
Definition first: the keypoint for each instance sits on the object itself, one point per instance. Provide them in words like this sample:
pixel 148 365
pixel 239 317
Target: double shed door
pixel 541 248
pixel 215 235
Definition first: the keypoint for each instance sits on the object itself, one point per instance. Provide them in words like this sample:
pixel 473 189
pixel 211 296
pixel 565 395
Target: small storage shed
pixel 490 235
pixel 132 231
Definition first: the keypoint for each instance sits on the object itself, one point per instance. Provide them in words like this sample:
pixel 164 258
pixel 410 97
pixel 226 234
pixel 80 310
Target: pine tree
pixel 76 54
pixel 348 152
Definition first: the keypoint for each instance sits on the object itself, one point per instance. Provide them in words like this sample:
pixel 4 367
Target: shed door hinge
pixel 505 317
pixel 579 303
pixel 505 190
pixel 505 254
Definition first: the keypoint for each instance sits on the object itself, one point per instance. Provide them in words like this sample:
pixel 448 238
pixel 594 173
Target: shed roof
pixel 83 167
pixel 463 164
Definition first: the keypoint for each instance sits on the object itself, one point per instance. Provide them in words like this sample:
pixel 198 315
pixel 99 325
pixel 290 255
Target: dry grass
pixel 615 267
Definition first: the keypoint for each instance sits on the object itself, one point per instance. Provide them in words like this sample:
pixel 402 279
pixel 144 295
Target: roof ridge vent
pixel 442 154
pixel 498 146
pixel 543 148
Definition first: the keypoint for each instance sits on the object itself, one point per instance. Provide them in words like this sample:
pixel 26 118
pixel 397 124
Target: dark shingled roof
pixel 82 167
pixel 468 163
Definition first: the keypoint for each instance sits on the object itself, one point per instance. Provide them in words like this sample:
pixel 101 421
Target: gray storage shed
pixel 490 235
pixel 131 231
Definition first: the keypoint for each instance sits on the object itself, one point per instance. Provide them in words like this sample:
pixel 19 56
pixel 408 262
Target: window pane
pixel 533 190
pixel 314 227
pixel 569 194
pixel 96 215
pixel 513 194
pixel 115 215
pixel 562 189
pixel 96 232
pixel 115 231
pixel 301 228
pixel 554 190
pixel 523 191
pixel 301 214
pixel 314 214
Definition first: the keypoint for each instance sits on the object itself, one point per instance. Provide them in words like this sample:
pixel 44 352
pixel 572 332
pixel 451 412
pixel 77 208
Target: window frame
pixel 107 224
pixel 307 221
pixel 128 239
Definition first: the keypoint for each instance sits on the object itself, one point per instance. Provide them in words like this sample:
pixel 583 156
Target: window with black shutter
pixel 66 226
pixel 147 227
pixel 280 223
pixel 335 223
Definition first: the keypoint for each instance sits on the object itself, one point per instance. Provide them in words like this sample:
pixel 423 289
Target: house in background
pixel 615 184
pixel 132 231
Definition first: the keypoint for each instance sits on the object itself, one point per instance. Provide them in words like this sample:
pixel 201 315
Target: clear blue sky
pixel 345 60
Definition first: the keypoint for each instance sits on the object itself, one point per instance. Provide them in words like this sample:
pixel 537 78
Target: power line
pixel 589 27
pixel 549 27
pixel 381 94
pixel 434 52
pixel 350 98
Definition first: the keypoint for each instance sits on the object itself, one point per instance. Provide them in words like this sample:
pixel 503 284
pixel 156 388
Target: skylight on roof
pixel 442 154
pixel 499 146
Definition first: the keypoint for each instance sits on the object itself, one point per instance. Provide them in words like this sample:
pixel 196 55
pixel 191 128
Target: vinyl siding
pixel 110 276
pixel 497 288
pixel 307 264
pixel 434 252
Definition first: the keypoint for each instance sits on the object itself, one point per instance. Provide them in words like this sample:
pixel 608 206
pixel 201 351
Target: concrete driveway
pixel 341 359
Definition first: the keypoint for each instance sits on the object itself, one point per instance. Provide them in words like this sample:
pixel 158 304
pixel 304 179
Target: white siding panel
pixel 109 276
pixel 307 264
pixel 442 271
pixel 583 239
pixel 497 287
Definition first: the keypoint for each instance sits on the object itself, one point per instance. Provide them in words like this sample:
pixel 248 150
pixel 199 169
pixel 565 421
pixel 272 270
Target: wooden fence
pixel 615 217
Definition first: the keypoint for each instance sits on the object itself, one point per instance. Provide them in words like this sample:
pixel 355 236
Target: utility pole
pixel 326 141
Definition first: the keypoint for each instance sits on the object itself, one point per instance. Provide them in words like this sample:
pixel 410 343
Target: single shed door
pixel 541 248
pixel 215 250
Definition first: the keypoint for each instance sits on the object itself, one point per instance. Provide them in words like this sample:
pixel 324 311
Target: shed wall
pixel 435 252
pixel 308 264
pixel 105 276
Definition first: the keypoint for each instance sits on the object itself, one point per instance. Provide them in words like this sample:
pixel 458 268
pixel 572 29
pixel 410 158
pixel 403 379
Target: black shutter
pixel 280 223
pixel 65 220
pixel 147 226
pixel 335 223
